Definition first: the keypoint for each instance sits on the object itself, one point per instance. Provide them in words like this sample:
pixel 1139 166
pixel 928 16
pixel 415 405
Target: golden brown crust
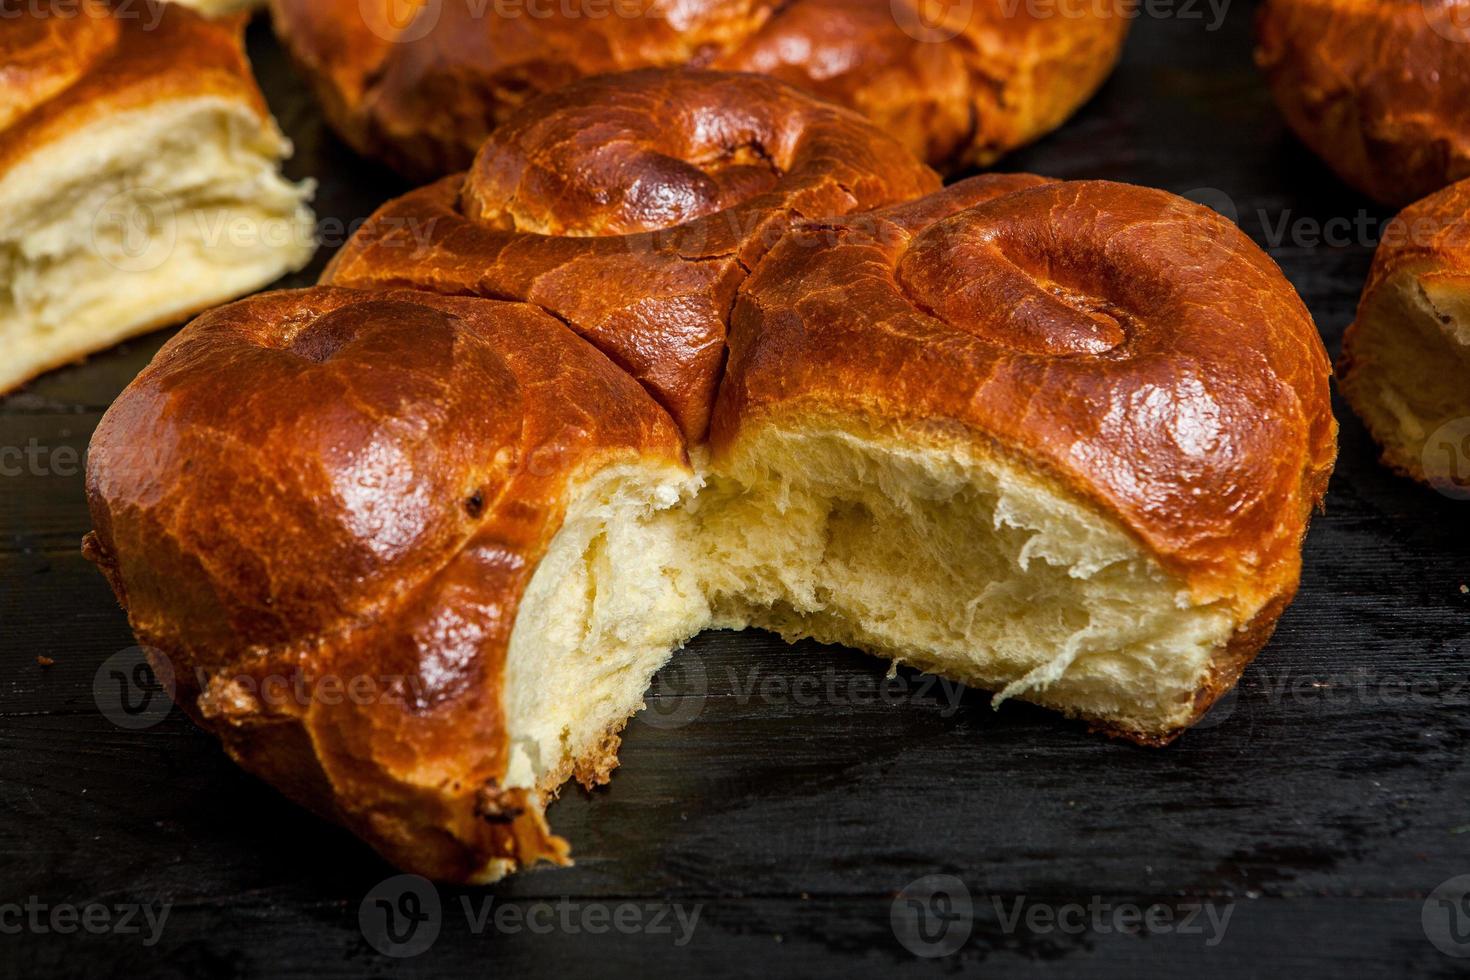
pixel 1428 245
pixel 365 511
pixel 62 71
pixel 1431 236
pixel 958 83
pixel 1080 327
pixel 631 207
pixel 1377 88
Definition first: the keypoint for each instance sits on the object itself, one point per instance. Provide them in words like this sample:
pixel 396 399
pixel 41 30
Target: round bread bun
pixel 1405 366
pixel 1057 440
pixel 365 511
pixel 960 84
pixel 630 207
pixel 1088 344
pixel 1376 88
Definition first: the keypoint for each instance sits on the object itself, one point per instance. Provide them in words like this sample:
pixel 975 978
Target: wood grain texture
pixel 1323 801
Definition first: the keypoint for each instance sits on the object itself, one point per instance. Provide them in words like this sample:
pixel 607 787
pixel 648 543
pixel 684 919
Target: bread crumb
pixel 45 661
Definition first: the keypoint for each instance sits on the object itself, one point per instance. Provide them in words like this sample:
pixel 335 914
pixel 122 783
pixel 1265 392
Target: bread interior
pixel 957 564
pixel 1409 371
pixel 614 596
pixel 139 219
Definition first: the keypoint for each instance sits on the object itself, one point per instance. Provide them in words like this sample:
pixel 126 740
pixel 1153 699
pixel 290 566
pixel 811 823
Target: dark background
pixel 1321 804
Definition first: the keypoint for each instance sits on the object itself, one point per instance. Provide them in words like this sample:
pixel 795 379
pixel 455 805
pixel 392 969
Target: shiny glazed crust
pixel 484 414
pixel 1377 88
pixel 631 207
pixel 958 83
pixel 1430 237
pixel 1131 348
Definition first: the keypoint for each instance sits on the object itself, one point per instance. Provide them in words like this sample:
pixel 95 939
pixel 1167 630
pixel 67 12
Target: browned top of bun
pixel 369 501
pixel 957 83
pixel 1138 347
pixel 1377 88
pixel 66 65
pixel 1432 236
pixel 631 207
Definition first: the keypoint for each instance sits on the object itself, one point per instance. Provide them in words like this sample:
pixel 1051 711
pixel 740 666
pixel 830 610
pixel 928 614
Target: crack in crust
pixel 631 208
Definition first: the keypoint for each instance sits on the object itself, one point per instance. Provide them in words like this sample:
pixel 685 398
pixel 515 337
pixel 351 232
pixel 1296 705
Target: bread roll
pixel 630 207
pixel 1057 440
pixel 138 178
pixel 367 512
pixel 960 84
pixel 1376 88
pixel 1405 365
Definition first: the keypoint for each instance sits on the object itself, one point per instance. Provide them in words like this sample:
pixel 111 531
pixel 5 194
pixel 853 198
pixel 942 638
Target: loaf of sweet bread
pixel 1059 440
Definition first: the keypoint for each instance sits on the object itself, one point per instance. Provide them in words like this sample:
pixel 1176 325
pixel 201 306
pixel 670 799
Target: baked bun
pixel 1058 440
pixel 630 207
pixel 959 85
pixel 1405 365
pixel 138 178
pixel 1376 88
pixel 368 509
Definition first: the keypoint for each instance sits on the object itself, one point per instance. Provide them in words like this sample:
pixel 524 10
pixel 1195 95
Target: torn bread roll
pixel 366 515
pixel 139 178
pixel 631 207
pixel 1405 366
pixel 1056 440
pixel 1060 440
pixel 959 84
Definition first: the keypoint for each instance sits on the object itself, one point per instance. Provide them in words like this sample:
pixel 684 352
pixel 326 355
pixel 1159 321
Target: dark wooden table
pixel 789 796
